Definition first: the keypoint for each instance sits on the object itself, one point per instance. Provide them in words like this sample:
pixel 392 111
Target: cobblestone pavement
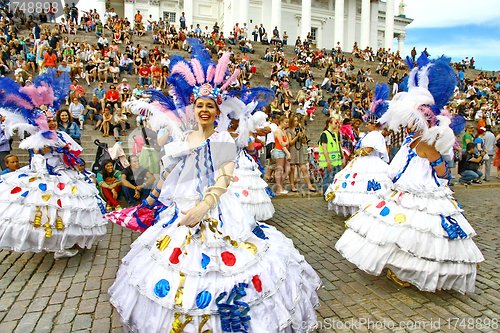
pixel 38 294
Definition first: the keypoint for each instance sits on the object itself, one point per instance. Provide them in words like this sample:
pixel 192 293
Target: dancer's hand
pixel 194 215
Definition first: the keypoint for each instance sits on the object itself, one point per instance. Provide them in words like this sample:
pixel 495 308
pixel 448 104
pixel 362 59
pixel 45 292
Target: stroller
pixel 101 155
pixel 315 172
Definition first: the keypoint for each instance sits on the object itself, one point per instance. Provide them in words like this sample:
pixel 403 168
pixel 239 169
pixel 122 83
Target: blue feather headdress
pixel 379 105
pixel 420 104
pixel 27 109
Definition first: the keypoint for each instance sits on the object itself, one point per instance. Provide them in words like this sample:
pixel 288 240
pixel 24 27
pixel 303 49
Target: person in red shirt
pixel 75 90
pixel 156 71
pixel 144 75
pixel 293 70
pixel 112 97
pixel 49 58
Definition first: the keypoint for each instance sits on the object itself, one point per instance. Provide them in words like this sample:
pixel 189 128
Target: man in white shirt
pixel 102 42
pixel 301 110
pixel 270 162
pixel 165 61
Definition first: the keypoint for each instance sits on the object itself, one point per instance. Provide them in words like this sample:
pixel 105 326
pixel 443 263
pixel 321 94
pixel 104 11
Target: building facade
pixel 368 22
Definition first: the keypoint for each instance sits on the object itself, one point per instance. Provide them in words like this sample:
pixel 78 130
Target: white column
pixel 244 13
pixel 339 23
pixel 306 19
pixel 128 10
pixel 275 18
pixel 319 37
pixel 228 22
pixel 351 24
pixel 101 9
pixel 374 26
pixel 389 25
pixel 188 13
pixel 365 24
pixel 401 44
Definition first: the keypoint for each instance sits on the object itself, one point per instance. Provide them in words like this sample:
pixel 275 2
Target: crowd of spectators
pixel 344 92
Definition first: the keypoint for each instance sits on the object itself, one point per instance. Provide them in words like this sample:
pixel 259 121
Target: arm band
pixel 225 175
pixel 153 196
pixel 437 162
pixel 214 196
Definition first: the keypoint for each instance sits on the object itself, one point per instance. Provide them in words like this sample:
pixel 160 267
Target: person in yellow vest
pixel 329 151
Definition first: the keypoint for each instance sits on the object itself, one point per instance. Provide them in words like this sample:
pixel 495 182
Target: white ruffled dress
pixel 362 178
pixel 49 211
pixel 417 229
pixel 228 273
pixel 250 188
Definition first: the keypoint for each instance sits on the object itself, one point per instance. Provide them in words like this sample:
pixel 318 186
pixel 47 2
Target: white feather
pixel 403 109
pixel 156 118
pixel 440 136
pixel 423 76
pixel 15 122
pixel 411 79
pixel 37 141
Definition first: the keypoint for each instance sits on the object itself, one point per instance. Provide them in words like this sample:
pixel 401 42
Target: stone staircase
pixel 314 128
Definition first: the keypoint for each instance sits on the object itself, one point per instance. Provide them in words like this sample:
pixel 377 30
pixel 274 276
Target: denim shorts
pixel 278 153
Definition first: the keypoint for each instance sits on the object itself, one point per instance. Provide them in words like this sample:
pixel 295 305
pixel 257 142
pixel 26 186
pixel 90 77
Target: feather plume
pixel 403 109
pixel 200 53
pixel 37 141
pixel 423 60
pixel 410 63
pixel 157 117
pixel 442 81
pixel 220 70
pixel 34 95
pixel 210 73
pixel 182 90
pixel 412 79
pixel 440 136
pixel 423 76
pixel 198 71
pixel 184 70
pixel 379 104
pixel 457 124
pixel 232 79
pixel 18 100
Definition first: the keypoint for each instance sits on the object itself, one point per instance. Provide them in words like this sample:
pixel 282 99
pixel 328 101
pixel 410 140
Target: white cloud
pixel 450 13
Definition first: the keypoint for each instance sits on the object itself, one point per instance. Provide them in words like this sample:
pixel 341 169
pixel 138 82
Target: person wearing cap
pixel 123 85
pixel 301 110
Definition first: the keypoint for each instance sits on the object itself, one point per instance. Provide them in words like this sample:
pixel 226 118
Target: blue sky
pixel 456 28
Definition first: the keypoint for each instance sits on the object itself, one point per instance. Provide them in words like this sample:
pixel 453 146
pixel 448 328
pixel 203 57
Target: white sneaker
pixel 65 254
pixel 83 75
pixel 284 192
pixel 77 76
